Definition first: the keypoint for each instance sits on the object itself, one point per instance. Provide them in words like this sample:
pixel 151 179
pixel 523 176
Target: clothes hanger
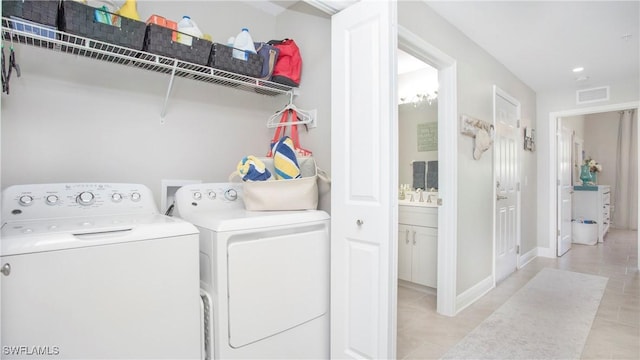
pixel 6 74
pixel 304 117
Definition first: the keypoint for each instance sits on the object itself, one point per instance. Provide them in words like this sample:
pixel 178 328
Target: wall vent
pixel 592 95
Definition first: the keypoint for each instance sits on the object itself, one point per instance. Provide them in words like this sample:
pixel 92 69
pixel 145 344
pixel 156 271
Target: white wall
pixel 75 119
pixel 575 123
pixel 600 144
pixel 477 73
pixel 312 32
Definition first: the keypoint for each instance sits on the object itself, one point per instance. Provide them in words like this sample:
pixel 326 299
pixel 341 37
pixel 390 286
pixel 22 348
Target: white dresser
pixel 418 244
pixel 593 203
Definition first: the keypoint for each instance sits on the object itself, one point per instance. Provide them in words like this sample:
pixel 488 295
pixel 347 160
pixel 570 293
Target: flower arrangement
pixel 594 166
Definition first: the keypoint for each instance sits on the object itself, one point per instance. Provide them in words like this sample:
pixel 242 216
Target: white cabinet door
pixel 364 136
pixel 425 255
pixel 404 252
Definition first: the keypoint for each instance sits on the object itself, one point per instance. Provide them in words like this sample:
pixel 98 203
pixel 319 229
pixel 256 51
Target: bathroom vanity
pixel 418 241
pixel 593 203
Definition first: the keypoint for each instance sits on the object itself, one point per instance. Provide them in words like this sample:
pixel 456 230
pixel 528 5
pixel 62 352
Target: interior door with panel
pixel 565 189
pixel 364 217
pixel 507 116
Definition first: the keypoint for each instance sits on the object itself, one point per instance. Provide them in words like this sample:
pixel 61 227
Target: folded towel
pixel 419 169
pixel 252 169
pixel 432 175
pixel 284 159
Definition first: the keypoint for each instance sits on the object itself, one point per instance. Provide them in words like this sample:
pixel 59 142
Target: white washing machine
pixel 93 271
pixel 266 275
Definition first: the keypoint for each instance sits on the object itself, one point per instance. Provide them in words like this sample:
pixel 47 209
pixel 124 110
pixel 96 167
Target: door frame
pixel 552 159
pixel 447 164
pixel 499 92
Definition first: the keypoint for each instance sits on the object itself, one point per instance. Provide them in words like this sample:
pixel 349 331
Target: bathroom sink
pixel 433 203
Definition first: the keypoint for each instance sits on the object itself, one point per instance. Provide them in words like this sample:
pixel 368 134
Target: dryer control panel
pixel 210 196
pixel 50 201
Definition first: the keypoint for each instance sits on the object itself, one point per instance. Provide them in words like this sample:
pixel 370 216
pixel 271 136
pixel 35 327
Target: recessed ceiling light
pixel 578 69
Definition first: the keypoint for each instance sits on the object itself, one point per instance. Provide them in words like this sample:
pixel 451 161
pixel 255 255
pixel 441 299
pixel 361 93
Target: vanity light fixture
pixel 420 99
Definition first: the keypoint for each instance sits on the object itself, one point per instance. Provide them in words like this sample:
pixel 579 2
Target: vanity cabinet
pixel 593 203
pixel 418 245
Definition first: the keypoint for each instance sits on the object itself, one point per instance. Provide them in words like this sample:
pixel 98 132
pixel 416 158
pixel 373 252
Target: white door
pixel 507 114
pixel 565 189
pixel 364 170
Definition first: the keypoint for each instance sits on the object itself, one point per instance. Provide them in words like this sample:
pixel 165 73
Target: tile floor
pixel 615 333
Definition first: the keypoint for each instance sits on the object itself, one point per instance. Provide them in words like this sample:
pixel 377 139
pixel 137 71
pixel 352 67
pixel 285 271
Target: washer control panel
pixel 44 201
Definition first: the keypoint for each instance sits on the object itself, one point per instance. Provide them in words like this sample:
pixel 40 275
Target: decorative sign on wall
pixel 480 130
pixel 428 136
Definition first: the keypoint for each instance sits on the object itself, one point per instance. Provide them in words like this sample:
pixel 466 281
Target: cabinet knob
pixel 6 269
pixel 406 236
pixel 414 238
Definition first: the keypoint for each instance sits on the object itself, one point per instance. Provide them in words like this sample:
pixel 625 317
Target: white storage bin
pixel 586 234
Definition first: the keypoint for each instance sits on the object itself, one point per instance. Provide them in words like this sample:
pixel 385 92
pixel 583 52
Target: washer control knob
pixel 231 194
pixel 135 196
pixel 25 200
pixel 116 197
pixel 197 195
pixel 86 198
pixel 52 199
pixel 211 195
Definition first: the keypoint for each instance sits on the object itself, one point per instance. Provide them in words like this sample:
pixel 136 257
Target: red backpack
pixel 288 67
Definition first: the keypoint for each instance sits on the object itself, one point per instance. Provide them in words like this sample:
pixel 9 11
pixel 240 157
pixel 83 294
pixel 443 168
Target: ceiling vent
pixel 592 95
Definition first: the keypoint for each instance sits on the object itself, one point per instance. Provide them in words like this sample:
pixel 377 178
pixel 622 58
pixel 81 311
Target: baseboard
pixel 474 293
pixel 547 252
pixel 527 257
pixel 421 288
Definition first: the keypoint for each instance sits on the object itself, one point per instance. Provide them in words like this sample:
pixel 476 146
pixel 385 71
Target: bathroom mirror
pixel 418 122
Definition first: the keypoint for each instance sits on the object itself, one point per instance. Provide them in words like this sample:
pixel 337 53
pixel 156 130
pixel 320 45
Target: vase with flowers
pixel 594 168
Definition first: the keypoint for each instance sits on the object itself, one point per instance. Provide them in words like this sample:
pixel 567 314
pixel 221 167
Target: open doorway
pixel 427 117
pixel 447 155
pixel 569 117
pixel 418 179
pixel 606 143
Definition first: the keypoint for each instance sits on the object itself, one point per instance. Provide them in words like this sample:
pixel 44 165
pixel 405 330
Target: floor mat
pixel 549 318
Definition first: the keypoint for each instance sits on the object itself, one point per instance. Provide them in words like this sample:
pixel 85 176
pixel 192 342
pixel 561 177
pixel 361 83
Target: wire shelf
pixel 28 33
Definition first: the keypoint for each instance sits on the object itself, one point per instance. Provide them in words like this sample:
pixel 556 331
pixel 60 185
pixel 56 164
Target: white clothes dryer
pixel 265 273
pixel 93 271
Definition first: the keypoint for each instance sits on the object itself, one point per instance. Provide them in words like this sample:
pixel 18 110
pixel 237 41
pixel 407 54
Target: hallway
pixel 615 333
